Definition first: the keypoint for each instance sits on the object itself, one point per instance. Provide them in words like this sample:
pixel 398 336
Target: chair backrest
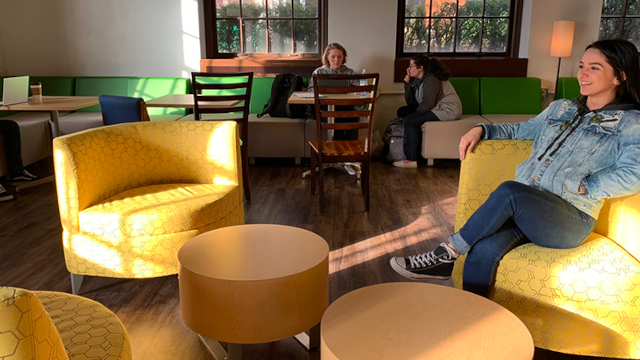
pixel 329 93
pixel 232 90
pixel 122 109
pixel 27 329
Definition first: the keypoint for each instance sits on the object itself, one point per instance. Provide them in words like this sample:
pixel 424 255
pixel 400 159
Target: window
pixel 261 27
pixel 456 27
pixel 621 19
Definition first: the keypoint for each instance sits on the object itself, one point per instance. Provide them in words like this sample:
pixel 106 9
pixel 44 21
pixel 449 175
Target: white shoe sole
pixel 409 275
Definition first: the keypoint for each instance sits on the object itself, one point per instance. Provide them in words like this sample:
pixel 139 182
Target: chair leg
pixel 76 282
pixel 312 172
pixel 245 172
pixel 321 180
pixel 365 184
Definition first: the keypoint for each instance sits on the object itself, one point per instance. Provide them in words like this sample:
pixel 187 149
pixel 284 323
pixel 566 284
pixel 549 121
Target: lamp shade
pixel 562 38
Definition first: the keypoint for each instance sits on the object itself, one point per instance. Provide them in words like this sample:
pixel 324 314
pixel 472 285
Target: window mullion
pixel 482 17
pixel 293 30
pixel 455 28
pixel 430 17
pixel 241 28
pixel 624 19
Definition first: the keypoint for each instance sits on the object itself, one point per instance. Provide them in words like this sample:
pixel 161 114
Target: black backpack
pixel 283 86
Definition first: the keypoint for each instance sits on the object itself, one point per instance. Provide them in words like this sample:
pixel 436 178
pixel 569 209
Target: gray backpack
pixel 394 140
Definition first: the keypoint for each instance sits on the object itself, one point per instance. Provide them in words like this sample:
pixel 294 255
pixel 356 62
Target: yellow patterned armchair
pixel 131 195
pixel 45 325
pixel 582 301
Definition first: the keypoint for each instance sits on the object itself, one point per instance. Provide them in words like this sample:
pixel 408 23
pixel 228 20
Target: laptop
pixel 15 90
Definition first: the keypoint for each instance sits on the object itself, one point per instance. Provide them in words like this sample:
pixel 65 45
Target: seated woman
pixel 430 97
pixel 334 60
pixel 10 131
pixel 584 151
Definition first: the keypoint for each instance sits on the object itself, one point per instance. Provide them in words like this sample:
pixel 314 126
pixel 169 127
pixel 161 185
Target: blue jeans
pixel 515 214
pixel 413 132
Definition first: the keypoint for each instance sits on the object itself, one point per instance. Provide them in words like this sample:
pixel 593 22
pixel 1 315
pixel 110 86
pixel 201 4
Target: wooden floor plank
pixel 412 210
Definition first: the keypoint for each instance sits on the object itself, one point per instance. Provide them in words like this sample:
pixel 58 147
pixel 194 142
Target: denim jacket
pixel 602 151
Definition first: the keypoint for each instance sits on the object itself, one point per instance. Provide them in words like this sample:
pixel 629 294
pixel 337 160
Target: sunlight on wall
pixel 191 35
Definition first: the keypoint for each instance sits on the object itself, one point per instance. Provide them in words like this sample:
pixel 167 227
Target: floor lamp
pixel 562 43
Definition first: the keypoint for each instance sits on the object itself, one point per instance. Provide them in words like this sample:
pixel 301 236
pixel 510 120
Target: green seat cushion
pixel 96 86
pixel 568 88
pixel 56 85
pixel 151 88
pixel 261 92
pixel 468 90
pixel 510 95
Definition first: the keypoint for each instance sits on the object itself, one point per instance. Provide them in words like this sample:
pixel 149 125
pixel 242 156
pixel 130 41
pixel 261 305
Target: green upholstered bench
pixel 568 88
pixel 510 100
pixel 150 88
pixel 440 138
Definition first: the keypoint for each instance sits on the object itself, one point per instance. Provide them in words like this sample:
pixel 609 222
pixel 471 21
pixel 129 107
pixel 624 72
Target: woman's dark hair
pixel 432 66
pixel 622 55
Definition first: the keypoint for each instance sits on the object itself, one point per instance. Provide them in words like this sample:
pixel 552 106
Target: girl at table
pixel 584 151
pixel 334 60
pixel 10 132
pixel 429 97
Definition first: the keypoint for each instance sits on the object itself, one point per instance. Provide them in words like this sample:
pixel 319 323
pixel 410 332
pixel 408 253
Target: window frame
pixel 513 34
pixel 211 40
pixel 622 17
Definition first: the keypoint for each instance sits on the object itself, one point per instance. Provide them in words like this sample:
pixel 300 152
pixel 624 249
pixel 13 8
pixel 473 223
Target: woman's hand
pixel 408 77
pixel 469 141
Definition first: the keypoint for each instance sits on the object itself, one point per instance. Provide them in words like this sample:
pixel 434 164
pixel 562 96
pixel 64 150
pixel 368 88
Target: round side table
pixel 251 284
pixel 421 321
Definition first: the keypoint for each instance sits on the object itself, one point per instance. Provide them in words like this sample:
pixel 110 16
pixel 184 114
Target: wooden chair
pixel 328 151
pixel 233 92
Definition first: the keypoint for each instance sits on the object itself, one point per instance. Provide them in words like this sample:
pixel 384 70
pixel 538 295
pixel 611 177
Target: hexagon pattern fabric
pixel 131 195
pixel 26 329
pixel 88 330
pixel 583 301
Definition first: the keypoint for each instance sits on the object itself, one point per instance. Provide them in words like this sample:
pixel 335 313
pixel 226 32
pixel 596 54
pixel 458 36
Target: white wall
pixel 586 14
pixel 99 38
pixel 3 61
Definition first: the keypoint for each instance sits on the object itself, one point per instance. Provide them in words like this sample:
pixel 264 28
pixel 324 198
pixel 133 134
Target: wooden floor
pixel 412 210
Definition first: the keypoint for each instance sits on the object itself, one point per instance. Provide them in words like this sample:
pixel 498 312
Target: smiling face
pixel 597 79
pixel 336 59
pixel 415 71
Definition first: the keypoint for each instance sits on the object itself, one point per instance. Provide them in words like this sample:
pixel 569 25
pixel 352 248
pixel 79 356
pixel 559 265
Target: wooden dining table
pixel 54 104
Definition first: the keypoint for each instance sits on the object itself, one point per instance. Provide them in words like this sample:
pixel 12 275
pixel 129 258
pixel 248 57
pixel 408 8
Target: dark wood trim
pixel 262 67
pixel 516 29
pixel 472 67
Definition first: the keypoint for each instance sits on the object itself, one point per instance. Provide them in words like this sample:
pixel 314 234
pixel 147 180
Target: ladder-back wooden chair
pixel 352 104
pixel 225 96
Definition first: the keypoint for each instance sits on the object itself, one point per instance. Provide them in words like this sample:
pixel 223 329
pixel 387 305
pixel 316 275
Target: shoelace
pixel 427 259
pixel 28 174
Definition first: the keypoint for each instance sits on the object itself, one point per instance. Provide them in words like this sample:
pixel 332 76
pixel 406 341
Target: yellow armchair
pixel 582 301
pixel 131 195
pixel 45 325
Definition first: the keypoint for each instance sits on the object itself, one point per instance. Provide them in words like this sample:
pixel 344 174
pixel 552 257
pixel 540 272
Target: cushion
pixel 26 329
pixel 88 329
pixel 440 139
pixel 151 88
pixel 35 136
pixel 56 85
pixel 510 95
pixel 276 137
pixel 504 118
pixel 79 121
pixel 158 210
pixel 96 86
pixel 568 88
pixel 468 90
pixel 164 117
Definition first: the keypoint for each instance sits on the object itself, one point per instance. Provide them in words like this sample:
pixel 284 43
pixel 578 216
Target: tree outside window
pixel 267 26
pixel 456 26
pixel 621 19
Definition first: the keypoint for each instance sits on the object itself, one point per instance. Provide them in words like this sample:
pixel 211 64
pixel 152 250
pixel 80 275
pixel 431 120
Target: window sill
pixel 263 67
pixel 480 66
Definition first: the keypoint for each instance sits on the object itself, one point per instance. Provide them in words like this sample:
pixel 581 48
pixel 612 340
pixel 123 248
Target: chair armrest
pixel 491 163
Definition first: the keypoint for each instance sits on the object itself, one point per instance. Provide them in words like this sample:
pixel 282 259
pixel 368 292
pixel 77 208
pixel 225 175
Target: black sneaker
pixel 437 264
pixel 4 195
pixel 24 176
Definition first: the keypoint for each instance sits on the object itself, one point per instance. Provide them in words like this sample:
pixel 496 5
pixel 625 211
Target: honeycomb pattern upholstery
pixel 582 301
pixel 50 325
pixel 131 195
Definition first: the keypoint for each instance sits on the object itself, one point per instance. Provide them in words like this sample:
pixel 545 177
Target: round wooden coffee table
pixel 421 321
pixel 251 284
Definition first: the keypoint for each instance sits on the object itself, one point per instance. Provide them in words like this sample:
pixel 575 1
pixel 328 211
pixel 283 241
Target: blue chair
pixel 122 109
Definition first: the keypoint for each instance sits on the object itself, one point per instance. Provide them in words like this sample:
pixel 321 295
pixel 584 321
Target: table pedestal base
pixel 310 342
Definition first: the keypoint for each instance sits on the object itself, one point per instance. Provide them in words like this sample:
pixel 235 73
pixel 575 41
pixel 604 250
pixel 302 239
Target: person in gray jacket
pixel 584 151
pixel 430 97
